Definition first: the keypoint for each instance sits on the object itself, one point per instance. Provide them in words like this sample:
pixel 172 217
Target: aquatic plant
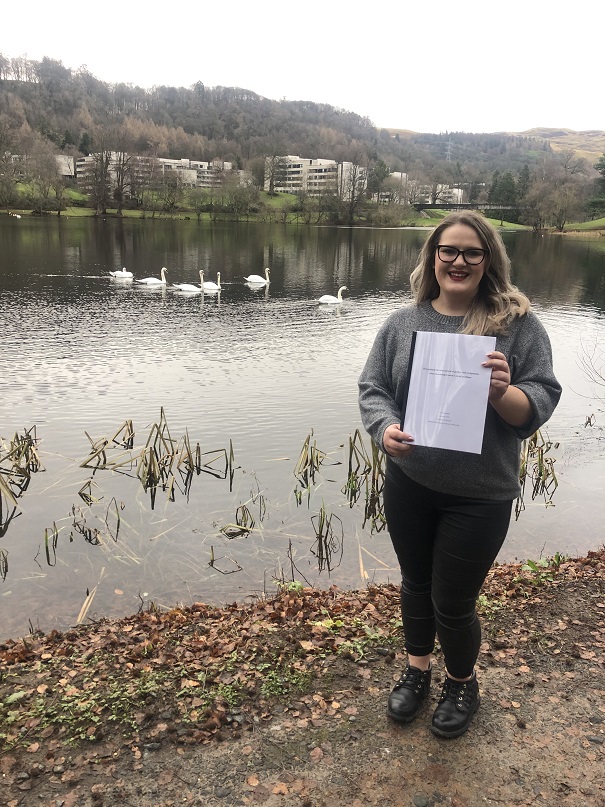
pixel 538 469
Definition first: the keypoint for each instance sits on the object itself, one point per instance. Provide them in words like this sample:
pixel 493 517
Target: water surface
pixel 258 368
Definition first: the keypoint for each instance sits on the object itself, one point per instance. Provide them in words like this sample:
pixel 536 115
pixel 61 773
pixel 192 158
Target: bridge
pixel 463 206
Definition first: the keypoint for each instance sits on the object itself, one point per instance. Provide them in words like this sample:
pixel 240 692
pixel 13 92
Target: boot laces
pixel 412 678
pixel 460 693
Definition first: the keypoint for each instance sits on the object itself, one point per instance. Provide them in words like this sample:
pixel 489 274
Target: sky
pixel 439 66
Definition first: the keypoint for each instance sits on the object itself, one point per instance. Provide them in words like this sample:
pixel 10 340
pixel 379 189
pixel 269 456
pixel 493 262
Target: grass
pixel 587 226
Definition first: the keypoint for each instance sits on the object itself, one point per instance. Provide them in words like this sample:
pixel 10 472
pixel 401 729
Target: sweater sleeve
pixel 377 395
pixel 531 365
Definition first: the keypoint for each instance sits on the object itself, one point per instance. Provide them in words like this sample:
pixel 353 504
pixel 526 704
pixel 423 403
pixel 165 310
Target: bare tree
pixel 42 173
pixel 101 179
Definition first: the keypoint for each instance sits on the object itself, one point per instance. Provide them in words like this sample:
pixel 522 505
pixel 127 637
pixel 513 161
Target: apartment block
pixel 315 177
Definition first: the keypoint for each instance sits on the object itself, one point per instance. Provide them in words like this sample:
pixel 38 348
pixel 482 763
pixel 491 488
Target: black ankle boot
pixel 408 693
pixel 458 703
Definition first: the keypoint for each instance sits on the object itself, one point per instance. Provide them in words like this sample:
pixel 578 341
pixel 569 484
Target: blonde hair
pixel 497 301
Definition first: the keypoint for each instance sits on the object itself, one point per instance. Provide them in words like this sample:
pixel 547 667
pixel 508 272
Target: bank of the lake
pixel 282 702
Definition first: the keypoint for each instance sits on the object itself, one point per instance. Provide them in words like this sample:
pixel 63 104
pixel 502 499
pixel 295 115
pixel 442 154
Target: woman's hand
pixel 395 442
pixel 500 380
pixel 510 402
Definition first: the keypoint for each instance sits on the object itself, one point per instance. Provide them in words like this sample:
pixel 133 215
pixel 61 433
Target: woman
pixel 448 511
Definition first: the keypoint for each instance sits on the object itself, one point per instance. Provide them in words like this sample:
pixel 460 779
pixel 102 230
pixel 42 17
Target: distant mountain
pixel 589 144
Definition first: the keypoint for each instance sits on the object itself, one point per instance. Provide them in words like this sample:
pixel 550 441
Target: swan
pixel 260 281
pixel 329 299
pixel 190 286
pixel 122 273
pixel 208 285
pixel 154 281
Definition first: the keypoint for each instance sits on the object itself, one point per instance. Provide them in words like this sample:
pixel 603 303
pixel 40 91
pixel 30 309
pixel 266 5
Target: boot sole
pixel 450 735
pixel 400 719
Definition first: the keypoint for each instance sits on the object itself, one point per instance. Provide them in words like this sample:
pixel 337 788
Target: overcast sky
pixel 430 67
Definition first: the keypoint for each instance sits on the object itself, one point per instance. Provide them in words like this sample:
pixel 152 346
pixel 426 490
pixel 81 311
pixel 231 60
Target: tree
pixel 275 171
pixel 42 173
pixel 376 177
pixel 523 182
pixel 8 181
pixel 596 204
pixel 101 180
pixel 85 144
pixel 352 186
pixel 565 204
pixel 170 191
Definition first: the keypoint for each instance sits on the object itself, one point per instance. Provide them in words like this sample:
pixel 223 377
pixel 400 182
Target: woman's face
pixel 459 279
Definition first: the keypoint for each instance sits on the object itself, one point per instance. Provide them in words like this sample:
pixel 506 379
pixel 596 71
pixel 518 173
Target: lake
pixel 250 374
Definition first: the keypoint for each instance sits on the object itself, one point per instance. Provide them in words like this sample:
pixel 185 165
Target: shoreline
pixel 135 215
pixel 282 702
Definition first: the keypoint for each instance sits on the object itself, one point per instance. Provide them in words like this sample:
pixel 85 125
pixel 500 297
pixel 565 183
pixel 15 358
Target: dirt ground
pixel 538 738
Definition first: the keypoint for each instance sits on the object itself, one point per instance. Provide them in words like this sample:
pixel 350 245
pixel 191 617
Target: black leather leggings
pixel 445 546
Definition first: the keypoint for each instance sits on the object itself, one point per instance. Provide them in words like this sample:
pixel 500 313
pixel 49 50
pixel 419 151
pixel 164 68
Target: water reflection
pixel 250 375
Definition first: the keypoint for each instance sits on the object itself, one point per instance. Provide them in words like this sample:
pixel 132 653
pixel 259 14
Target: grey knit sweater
pixel 493 474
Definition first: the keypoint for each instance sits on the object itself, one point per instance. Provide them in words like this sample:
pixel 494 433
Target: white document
pixel 448 388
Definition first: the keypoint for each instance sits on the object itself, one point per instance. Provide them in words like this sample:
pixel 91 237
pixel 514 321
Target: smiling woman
pixel 448 511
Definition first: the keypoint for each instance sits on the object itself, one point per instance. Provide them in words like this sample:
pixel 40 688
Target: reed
pixel 18 461
pixel 366 472
pixel 309 462
pixel 214 561
pixel 359 466
pixel 51 539
pixel 329 543
pixel 244 524
pixel 163 462
pixel 538 470
pixel 374 506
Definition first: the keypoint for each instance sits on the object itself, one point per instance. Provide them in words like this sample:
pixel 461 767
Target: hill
pixel 589 144
pixel 75 111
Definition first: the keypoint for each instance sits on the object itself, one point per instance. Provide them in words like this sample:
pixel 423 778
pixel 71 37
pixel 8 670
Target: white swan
pixel 258 280
pixel 329 299
pixel 154 281
pixel 208 285
pixel 123 274
pixel 191 287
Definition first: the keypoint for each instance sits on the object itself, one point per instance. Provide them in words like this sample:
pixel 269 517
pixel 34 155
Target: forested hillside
pixel 47 108
pixel 74 109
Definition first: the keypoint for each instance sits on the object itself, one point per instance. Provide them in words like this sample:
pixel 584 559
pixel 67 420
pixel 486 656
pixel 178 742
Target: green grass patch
pixel 595 224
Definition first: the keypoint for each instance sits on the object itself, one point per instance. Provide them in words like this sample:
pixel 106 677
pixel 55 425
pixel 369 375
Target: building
pixel 314 177
pixel 147 170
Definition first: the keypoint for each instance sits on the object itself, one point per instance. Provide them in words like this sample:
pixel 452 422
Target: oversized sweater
pixel 493 474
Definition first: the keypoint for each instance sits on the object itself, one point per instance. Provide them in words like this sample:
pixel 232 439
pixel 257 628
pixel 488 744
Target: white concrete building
pixel 313 176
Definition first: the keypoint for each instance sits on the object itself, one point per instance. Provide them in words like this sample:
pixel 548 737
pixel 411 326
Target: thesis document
pixel 446 399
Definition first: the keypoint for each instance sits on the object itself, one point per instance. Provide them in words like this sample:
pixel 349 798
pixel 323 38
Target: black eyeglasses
pixel 471 256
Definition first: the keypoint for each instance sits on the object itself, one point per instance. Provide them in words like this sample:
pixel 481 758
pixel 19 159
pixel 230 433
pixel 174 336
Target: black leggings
pixel 445 546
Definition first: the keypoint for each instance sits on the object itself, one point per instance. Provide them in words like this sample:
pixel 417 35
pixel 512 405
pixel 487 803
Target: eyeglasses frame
pixel 462 252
